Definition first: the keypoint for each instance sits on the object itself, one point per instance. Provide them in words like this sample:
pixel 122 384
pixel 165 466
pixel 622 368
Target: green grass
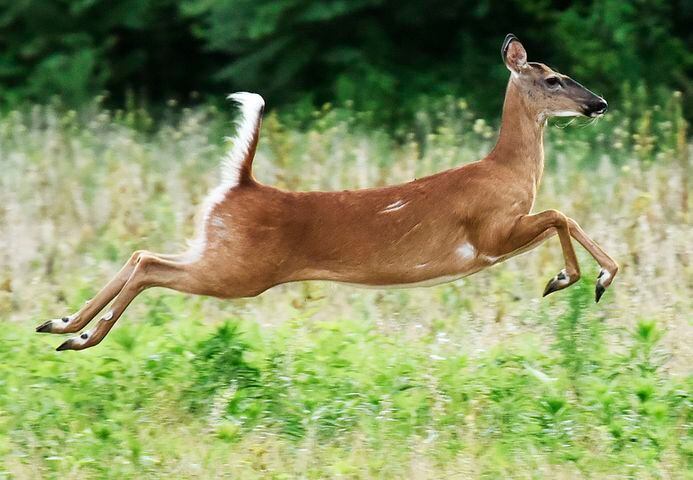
pixel 475 379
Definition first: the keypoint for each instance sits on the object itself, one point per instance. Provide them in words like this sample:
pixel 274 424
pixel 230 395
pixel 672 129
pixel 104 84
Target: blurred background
pixel 112 126
pixel 382 55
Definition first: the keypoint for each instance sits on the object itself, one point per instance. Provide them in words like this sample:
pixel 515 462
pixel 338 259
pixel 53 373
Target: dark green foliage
pixel 578 334
pixel 76 49
pixel 383 55
pixel 220 364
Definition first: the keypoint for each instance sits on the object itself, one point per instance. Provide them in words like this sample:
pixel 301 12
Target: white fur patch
pixel 565 113
pixel 393 207
pixel 565 280
pixel 108 316
pixel 604 277
pixel 489 258
pixel 251 105
pixel 218 222
pixel 81 341
pixel 466 251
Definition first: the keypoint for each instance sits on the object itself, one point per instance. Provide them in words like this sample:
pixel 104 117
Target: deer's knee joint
pixel 140 278
pixel 137 256
pixel 558 219
pixel 145 262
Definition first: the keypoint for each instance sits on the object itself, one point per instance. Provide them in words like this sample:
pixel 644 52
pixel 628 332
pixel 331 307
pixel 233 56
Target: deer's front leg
pixel 609 268
pixel 530 230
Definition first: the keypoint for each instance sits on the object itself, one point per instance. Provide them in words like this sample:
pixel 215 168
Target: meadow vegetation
pixel 480 378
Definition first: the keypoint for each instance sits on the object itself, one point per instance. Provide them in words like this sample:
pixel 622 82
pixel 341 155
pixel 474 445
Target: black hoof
pixel 551 287
pixel 45 327
pixel 598 292
pixel 65 345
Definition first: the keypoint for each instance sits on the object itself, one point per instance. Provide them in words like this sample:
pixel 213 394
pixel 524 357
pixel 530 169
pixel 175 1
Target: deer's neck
pixel 520 143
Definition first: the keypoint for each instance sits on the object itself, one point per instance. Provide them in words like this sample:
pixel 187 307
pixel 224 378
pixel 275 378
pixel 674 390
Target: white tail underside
pixel 251 106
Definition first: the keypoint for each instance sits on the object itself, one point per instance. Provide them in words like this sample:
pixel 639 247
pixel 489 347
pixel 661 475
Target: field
pixel 480 378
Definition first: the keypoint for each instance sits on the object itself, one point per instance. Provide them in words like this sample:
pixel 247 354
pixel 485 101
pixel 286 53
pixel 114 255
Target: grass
pixel 475 379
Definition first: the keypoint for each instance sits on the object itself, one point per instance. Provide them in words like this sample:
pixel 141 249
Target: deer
pixel 436 229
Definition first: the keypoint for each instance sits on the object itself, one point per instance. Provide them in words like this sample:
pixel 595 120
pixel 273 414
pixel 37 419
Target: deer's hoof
pixel 45 327
pixel 66 345
pixel 604 279
pixel 81 342
pixel 598 292
pixel 59 325
pixel 559 282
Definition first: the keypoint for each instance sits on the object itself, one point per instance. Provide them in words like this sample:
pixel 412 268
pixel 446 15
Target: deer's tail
pixel 237 165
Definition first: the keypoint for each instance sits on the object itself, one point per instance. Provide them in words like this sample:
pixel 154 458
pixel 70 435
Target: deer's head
pixel 549 93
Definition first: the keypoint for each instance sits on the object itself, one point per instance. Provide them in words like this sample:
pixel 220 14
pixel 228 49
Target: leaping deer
pixel 431 230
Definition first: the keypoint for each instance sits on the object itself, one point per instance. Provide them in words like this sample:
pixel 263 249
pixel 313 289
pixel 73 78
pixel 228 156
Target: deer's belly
pixel 427 276
pixel 422 269
pixel 430 282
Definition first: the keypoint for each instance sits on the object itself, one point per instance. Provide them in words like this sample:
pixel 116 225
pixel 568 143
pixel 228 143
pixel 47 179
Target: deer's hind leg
pixel 77 321
pixel 149 271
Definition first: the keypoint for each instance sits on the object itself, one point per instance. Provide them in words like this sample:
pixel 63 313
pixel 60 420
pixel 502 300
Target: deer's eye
pixel 553 82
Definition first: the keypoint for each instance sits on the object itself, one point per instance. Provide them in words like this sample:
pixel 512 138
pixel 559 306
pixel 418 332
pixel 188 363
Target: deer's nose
pixel 599 107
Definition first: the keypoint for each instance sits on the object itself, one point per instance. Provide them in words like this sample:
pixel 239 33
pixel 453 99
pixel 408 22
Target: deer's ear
pixel 514 54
